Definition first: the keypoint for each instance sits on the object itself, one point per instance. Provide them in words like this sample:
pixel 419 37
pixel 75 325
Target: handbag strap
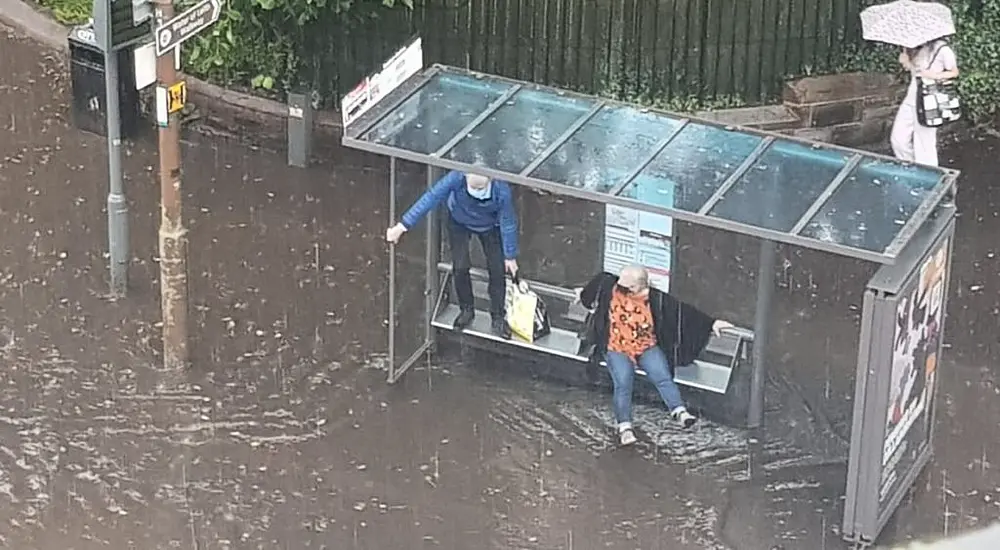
pixel 597 299
pixel 597 302
pixel 937 50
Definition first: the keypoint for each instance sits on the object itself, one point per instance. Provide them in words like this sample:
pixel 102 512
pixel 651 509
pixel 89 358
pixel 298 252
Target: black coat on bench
pixel 682 330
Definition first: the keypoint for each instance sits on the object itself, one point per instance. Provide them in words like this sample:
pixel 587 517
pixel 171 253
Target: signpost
pixel 171 31
pixel 118 24
pixel 176 31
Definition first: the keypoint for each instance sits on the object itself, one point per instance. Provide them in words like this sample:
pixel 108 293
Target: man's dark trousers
pixel 458 239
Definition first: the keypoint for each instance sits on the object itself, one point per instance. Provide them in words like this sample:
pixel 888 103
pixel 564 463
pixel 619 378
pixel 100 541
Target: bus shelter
pixel 768 186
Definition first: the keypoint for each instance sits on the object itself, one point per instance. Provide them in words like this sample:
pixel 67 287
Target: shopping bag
pixel 527 315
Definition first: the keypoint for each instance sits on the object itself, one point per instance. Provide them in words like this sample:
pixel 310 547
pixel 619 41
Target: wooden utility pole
pixel 173 235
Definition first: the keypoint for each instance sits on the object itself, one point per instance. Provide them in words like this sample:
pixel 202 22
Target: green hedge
pixel 272 46
pixel 978 48
pixel 277 45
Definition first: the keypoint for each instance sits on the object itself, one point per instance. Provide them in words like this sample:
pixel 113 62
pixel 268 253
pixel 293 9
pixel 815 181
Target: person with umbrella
pixel 919 28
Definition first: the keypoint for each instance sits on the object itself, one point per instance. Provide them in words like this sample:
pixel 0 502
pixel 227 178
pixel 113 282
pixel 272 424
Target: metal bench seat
pixel 712 372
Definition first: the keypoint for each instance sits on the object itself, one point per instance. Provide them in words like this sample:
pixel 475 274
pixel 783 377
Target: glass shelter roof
pixel 750 182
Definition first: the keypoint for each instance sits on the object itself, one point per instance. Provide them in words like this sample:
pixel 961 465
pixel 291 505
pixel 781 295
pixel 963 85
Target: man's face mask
pixel 480 194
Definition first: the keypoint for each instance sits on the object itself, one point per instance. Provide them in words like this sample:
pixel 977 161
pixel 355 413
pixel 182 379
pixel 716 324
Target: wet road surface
pixel 286 435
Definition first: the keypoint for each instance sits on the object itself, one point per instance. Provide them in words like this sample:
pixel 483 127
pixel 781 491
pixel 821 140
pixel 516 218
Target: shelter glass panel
pixel 871 207
pixel 435 113
pixel 410 268
pixel 692 167
pixel 780 186
pixel 520 130
pixel 603 152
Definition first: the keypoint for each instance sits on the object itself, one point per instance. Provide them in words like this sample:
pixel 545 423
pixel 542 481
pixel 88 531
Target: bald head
pixel 476 181
pixel 634 277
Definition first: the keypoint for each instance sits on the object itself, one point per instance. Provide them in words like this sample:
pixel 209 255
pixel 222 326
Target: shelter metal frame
pixel 946 184
pixel 935 213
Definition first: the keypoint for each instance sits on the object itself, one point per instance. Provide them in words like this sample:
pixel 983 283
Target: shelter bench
pixel 717 384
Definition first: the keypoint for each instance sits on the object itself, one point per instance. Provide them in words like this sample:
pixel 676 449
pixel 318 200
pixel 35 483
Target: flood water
pixel 286 435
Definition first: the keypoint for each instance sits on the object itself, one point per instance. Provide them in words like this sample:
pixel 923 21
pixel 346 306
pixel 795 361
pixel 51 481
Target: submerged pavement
pixel 286 435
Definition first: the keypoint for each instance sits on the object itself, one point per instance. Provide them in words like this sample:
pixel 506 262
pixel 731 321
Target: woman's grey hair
pixel 634 276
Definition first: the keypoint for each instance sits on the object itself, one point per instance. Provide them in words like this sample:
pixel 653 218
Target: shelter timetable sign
pixel 750 182
pixel 636 237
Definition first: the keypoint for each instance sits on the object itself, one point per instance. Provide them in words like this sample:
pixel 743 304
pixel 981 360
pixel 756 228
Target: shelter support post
pixel 765 294
pixel 392 270
pixel 431 269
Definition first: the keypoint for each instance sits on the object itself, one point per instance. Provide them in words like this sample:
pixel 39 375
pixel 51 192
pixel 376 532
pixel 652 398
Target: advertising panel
pixel 915 347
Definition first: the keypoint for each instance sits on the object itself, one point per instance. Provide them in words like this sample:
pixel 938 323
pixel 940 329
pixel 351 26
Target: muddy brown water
pixel 286 435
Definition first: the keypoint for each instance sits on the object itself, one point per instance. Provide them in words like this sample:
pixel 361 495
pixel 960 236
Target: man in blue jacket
pixel 477 206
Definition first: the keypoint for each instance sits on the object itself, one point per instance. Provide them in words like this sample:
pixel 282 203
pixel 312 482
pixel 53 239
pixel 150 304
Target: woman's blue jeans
pixel 622 369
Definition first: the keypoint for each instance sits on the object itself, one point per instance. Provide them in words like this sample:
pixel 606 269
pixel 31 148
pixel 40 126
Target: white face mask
pixel 481 194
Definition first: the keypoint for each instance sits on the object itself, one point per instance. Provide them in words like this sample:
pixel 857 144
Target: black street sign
pixel 173 33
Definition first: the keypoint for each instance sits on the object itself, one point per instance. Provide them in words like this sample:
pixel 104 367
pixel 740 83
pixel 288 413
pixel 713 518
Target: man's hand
pixel 719 326
pixel 510 266
pixel 394 233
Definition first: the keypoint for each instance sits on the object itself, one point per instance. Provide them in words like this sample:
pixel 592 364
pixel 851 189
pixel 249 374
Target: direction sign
pixel 173 33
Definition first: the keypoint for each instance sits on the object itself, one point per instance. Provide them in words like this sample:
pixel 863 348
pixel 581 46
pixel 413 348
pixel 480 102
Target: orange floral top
pixel 631 331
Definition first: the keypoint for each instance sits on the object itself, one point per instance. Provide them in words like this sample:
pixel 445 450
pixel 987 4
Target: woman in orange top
pixel 641 327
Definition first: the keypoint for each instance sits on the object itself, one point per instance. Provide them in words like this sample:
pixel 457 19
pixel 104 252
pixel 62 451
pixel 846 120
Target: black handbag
pixel 938 102
pixel 588 335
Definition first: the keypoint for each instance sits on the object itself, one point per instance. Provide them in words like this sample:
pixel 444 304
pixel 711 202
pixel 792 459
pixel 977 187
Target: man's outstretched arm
pixel 432 198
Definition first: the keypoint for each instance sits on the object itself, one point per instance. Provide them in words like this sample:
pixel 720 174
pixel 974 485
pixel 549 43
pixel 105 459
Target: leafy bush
pixel 644 92
pixel 69 12
pixel 271 45
pixel 977 46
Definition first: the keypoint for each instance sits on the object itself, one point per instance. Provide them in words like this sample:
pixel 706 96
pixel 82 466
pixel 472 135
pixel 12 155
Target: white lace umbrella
pixel 907 23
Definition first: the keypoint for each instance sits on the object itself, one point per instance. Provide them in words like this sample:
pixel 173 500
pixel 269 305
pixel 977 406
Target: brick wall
pixel 849 109
pixel 852 109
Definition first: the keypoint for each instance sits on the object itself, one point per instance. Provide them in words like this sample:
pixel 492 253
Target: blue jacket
pixel 476 215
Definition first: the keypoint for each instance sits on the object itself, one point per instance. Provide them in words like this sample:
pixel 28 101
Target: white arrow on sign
pixel 175 32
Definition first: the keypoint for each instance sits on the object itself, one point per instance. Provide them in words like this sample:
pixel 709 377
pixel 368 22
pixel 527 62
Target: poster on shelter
pixel 915 347
pixel 635 237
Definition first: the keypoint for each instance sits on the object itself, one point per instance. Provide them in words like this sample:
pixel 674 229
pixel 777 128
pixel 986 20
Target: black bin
pixel 87 74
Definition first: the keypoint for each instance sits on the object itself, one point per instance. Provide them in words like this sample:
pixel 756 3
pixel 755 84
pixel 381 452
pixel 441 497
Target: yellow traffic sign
pixel 176 97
